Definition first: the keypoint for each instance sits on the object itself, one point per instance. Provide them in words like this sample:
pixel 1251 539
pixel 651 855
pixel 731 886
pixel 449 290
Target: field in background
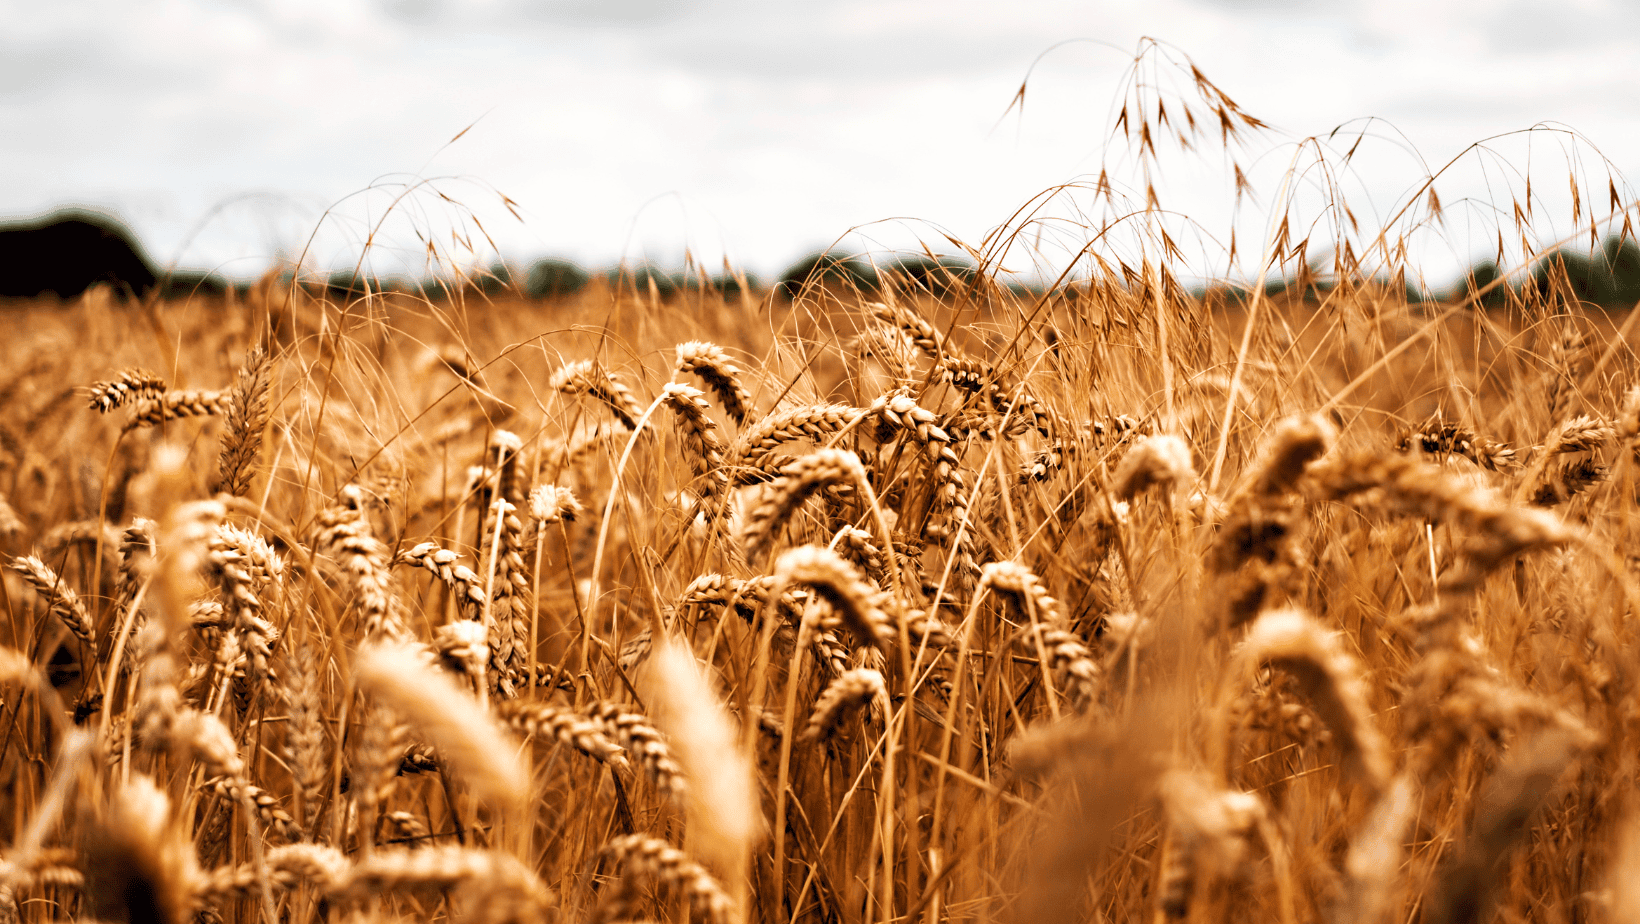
pixel 1289 692
pixel 931 603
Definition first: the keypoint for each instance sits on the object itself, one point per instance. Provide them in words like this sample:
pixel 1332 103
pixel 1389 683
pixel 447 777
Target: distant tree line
pixel 68 251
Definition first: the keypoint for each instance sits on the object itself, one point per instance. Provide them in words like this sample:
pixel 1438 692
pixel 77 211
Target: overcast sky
pixel 633 129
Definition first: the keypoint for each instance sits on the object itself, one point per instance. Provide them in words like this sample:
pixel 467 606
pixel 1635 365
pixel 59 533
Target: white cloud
pixel 760 128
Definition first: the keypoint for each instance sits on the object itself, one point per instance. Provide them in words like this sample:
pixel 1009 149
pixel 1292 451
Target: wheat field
pixel 1112 603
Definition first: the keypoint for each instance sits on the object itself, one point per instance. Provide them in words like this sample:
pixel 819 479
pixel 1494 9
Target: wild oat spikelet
pixel 725 814
pixel 712 364
pixel 451 719
pixel 1331 680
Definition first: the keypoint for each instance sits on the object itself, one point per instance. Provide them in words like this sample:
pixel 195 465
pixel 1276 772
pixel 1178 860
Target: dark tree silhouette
pixel 828 268
pixel 68 251
pixel 552 277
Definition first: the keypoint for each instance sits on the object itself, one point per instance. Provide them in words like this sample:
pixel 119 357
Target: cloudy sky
pixel 223 130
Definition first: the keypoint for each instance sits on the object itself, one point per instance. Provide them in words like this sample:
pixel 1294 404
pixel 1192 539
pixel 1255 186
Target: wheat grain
pixel 700 439
pixel 344 531
pixel 173 405
pixel 645 743
pixel 835 580
pixel 725 817
pixel 445 564
pixel 798 481
pixel 562 724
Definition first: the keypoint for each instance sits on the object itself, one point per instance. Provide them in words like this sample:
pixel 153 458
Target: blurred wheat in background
pixel 898 592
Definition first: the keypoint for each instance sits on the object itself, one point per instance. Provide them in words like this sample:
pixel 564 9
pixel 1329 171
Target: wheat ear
pixel 712 364
pixel 1331 680
pixel 465 735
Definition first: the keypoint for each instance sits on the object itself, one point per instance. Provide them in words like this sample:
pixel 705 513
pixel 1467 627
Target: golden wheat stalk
pixel 645 743
pixel 725 812
pixel 128 387
pixel 723 377
pixel 856 602
pixel 247 418
pixel 700 438
pixel 453 720
pixel 751 456
pixel 647 858
pixel 467 586
pixel 344 530
pixel 172 405
pixel 588 378
pixel 1331 680
pixel 850 691
pixel 60 599
pixel 562 724
pixel 798 481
